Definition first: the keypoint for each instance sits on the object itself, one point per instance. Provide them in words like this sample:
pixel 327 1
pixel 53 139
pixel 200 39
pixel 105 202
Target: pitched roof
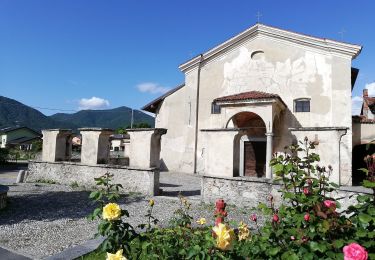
pixel 370 101
pixel 153 105
pixel 14 128
pixel 23 139
pixel 250 95
pixel 352 50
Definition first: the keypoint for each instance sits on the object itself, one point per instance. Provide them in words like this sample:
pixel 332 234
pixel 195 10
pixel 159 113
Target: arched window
pixel 302 105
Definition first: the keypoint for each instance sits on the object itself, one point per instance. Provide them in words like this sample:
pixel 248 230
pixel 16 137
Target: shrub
pixel 307 225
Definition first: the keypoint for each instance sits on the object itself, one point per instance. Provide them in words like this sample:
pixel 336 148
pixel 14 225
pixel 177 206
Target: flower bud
pixel 307 217
pixel 151 202
pixel 306 191
pixel 275 218
pixel 292 238
pixel 253 217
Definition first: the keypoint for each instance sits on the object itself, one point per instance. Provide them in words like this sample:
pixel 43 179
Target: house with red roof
pixel 247 98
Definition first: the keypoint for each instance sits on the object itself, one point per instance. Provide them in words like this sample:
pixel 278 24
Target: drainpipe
pixel 346 131
pixel 196 114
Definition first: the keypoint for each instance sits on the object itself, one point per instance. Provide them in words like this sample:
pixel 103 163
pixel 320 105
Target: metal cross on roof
pixel 258 15
pixel 342 32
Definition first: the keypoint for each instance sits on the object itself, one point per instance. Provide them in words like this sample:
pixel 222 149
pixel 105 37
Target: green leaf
pixel 369 184
pixel 371 211
pixel 363 198
pixel 338 243
pixel 364 218
pixel 273 251
pixel 361 233
pixel 289 255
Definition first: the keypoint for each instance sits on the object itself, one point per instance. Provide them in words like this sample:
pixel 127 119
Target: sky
pixel 90 54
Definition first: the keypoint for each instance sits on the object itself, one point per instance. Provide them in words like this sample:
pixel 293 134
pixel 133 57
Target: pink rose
pixel 275 218
pixel 307 217
pixel 306 191
pixel 330 204
pixel 292 238
pixel 354 251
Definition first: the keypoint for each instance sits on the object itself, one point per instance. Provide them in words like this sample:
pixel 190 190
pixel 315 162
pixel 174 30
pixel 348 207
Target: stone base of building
pixel 145 181
pixel 3 196
pixel 250 191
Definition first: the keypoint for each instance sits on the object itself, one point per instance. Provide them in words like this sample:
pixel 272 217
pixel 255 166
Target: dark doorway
pixel 255 158
pixel 359 153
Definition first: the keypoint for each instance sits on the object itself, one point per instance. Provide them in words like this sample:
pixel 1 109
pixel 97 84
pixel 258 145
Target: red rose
pixel 307 217
pixel 275 218
pixel 354 251
pixel 306 191
pixel 330 204
pixel 253 217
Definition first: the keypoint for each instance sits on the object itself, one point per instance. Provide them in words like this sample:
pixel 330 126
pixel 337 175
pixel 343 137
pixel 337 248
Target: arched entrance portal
pixel 250 145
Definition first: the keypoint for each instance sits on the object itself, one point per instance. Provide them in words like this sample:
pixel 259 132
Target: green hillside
pixel 14 113
pixel 110 118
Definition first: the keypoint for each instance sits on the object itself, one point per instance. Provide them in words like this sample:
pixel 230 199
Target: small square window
pixel 215 109
pixel 302 105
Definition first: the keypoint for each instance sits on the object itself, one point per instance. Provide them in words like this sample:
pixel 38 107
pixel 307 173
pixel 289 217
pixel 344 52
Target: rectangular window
pixel 302 105
pixel 215 109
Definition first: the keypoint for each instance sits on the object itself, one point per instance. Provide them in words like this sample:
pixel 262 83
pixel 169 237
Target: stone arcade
pixel 142 175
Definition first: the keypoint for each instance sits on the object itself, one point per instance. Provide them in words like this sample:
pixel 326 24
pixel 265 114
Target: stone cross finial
pixel 258 15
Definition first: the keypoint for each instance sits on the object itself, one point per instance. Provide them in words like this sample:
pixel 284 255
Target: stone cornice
pixel 350 50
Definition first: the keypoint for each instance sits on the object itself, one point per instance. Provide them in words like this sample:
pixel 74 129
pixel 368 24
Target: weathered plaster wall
pixel 145 181
pixel 332 151
pixel 262 64
pixel 177 114
pixel 248 192
pixel 363 133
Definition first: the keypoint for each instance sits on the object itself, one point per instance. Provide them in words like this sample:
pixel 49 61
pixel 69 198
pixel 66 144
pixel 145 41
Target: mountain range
pixel 14 113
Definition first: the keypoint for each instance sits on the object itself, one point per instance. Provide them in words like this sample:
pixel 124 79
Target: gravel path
pixel 44 219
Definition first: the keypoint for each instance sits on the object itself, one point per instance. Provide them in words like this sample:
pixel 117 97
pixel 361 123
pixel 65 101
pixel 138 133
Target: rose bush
pixel 308 224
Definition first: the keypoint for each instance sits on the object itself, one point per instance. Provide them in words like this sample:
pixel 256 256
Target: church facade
pixel 249 97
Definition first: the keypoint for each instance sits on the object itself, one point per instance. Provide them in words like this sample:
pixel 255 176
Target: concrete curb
pixel 9 254
pixel 77 251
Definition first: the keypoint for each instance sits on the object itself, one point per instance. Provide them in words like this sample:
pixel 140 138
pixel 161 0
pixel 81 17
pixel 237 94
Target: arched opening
pixel 249 156
pixel 359 153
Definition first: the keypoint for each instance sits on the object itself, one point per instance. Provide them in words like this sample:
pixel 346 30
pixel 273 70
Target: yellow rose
pixel 151 202
pixel 111 211
pixel 224 236
pixel 243 231
pixel 201 221
pixel 117 256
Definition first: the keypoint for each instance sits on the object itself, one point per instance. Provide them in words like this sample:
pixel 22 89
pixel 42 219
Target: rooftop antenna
pixel 342 32
pixel 258 15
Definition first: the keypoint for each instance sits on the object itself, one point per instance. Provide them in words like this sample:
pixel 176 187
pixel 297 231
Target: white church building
pixel 249 97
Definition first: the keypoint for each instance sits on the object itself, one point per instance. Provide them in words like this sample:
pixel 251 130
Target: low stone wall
pixel 249 191
pixel 145 181
pixel 3 196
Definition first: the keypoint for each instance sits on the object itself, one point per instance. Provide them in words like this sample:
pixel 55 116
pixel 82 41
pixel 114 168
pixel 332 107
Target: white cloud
pixel 371 89
pixel 93 103
pixel 356 105
pixel 153 88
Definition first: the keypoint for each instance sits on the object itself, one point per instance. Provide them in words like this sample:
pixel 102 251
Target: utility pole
pixel 132 119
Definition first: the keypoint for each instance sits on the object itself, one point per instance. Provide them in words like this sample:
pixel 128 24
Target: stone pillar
pixel 56 145
pixel 144 149
pixel 269 155
pixel 95 145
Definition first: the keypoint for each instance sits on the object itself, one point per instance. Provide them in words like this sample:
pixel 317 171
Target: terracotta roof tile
pixel 248 96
